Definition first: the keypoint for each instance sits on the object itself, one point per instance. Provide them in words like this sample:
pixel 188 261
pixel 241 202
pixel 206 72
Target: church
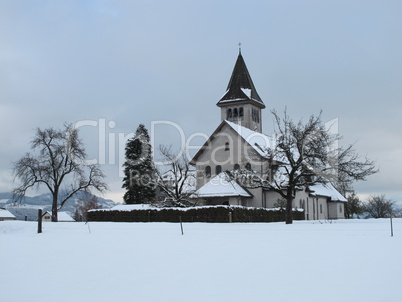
pixel 239 143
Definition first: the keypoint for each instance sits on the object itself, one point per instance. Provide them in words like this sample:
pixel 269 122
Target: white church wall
pixel 336 210
pixel 226 149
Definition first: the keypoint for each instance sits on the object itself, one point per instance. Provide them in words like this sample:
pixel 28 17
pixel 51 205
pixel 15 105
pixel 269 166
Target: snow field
pixel 347 260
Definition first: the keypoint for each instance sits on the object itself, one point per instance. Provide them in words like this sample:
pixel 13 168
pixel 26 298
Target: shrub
pixel 194 214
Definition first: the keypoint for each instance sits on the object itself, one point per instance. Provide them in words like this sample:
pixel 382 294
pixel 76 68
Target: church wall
pixel 226 149
pixel 315 208
pixel 257 200
pixel 336 210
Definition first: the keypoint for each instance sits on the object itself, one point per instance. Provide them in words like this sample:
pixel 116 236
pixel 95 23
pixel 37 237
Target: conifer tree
pixel 139 170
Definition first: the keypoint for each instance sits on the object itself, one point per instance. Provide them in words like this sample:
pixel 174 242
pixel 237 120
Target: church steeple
pixel 241 103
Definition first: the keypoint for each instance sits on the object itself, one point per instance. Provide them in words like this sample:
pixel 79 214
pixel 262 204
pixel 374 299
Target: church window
pixel 229 113
pixel 255 115
pixel 340 208
pixel 235 112
pixel 320 208
pixel 236 166
pixel 218 169
pixel 241 113
pixel 226 146
pixel 248 167
pixel 208 171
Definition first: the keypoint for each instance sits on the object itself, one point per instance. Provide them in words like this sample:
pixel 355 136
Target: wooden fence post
pixel 39 221
pixel 181 226
pixel 230 217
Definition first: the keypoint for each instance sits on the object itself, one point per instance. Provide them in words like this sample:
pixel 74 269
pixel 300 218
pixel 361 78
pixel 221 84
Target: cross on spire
pixel 239 48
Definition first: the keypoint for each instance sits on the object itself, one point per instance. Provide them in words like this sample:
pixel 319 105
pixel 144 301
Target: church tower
pixel 241 103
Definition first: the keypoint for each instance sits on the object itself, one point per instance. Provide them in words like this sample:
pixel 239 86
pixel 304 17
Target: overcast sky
pixel 122 63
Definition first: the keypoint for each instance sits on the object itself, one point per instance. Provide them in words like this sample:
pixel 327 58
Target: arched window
pixel 208 171
pixel 241 113
pixel 236 167
pixel 248 167
pixel 235 112
pixel 218 169
pixel 229 113
pixel 255 115
pixel 226 146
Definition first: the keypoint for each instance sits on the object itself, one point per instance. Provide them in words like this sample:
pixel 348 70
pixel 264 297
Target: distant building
pixel 238 143
pixel 6 215
pixel 61 217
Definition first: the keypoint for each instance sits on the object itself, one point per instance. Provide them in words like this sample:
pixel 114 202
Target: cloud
pixel 134 62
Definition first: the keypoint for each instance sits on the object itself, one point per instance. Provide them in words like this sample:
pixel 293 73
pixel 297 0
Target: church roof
pixel 222 185
pixel 261 143
pixel 241 87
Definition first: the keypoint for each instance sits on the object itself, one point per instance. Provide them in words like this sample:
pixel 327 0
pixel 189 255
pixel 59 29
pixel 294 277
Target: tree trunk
pixel 288 210
pixel 54 208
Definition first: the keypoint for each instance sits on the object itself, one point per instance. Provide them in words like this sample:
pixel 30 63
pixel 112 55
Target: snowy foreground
pixel 353 260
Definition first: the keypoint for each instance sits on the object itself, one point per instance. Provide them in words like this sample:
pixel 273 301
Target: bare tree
pixel 304 155
pixel 177 184
pixel 86 203
pixel 58 163
pixel 379 207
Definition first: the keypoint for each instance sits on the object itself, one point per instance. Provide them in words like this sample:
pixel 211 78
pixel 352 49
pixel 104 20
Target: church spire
pixel 241 103
pixel 241 87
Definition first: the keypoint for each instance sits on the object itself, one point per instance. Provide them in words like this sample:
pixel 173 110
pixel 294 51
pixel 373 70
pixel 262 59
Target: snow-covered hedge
pixel 194 214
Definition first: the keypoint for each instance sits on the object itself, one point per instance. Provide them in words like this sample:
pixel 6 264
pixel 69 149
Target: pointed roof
pixel 241 87
pixel 261 143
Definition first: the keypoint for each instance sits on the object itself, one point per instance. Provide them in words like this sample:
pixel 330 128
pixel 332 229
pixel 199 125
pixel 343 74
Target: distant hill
pixel 29 205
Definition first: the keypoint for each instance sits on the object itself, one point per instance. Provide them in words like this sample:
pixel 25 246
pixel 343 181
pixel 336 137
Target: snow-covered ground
pixel 353 260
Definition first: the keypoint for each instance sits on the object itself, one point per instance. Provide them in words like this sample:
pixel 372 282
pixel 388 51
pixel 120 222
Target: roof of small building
pixel 326 190
pixel 222 185
pixel 61 216
pixel 241 87
pixel 6 214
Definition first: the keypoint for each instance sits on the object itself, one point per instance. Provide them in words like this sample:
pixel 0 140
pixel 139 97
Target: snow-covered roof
pixel 327 190
pixel 61 216
pixel 260 142
pixel 241 87
pixel 6 214
pixel 221 186
pixel 129 207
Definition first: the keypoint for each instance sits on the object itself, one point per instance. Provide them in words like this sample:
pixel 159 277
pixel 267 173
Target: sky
pixel 111 65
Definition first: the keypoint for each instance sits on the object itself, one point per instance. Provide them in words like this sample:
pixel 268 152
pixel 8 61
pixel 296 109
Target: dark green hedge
pixel 200 214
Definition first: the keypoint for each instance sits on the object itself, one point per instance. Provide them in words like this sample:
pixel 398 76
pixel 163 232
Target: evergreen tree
pixel 354 207
pixel 139 170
